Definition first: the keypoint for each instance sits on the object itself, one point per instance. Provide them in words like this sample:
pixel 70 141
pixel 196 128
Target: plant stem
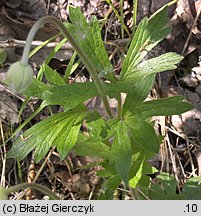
pixel 84 58
pixel 122 16
pixel 35 186
pixel 19 168
pixel 119 115
pixel 172 2
pixel 135 5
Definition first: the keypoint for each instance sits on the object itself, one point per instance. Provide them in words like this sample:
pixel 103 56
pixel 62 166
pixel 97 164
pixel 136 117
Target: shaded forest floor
pixel 180 152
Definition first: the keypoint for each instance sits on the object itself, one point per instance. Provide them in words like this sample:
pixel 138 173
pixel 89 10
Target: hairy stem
pixel 119 114
pixel 85 60
pixel 35 186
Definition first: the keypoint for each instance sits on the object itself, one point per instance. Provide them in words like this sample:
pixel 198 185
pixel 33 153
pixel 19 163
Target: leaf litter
pixel 182 132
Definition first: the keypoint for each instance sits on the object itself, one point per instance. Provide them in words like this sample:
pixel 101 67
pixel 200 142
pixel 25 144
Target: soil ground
pixel 180 152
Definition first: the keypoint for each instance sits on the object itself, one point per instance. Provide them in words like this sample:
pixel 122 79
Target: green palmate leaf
pixel 137 92
pixel 121 151
pixel 159 194
pixel 52 76
pixel 164 62
pixel 143 134
pixel 139 74
pixel 162 107
pixel 70 96
pixel 89 147
pixel 192 189
pixel 52 131
pixel 68 138
pixel 156 28
pixel 88 37
pixel 148 34
pixel 168 185
pixel 37 89
pixel 166 190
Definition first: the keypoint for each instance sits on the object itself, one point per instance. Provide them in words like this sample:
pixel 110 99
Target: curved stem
pixel 35 186
pixel 84 58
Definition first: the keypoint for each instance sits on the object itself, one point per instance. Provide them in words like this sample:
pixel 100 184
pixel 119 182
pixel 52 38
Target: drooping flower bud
pixel 19 76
